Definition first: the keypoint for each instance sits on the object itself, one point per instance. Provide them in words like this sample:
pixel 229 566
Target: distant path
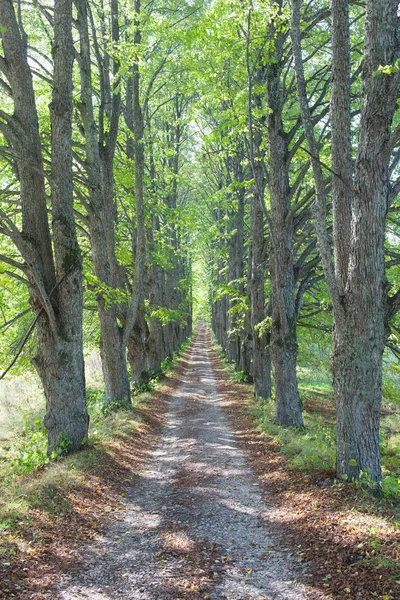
pixel 195 524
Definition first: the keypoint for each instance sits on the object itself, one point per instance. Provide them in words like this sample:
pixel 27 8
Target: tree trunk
pixel 60 366
pixel 283 330
pixel 261 341
pixel 135 122
pixel 342 160
pixel 112 353
pixel 246 350
pixel 56 289
pixel 137 350
pixel 358 387
pixel 154 340
pixel 357 381
pixel 358 287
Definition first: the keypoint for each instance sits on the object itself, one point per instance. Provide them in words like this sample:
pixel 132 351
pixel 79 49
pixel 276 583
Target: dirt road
pixel 195 524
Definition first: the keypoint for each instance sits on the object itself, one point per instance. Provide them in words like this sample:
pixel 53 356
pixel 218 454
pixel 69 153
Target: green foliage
pixel 33 447
pixel 390 486
pixel 201 290
pixel 165 315
pixel 240 377
pixel 111 295
pixel 263 327
pixel 97 402
pixel 391 388
pixel 16 317
pixel 146 386
pixel 308 449
pixel 94 399
pixel 388 69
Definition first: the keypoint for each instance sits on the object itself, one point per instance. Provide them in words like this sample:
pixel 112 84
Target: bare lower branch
pixel 19 316
pixel 319 206
pixel 12 262
pixel 16 276
pixel 22 344
pixel 395 349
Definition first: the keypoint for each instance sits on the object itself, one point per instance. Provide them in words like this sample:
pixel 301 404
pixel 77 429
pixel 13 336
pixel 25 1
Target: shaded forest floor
pixel 348 543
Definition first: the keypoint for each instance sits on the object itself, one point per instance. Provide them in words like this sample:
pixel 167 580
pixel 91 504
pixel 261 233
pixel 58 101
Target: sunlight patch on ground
pixel 358 521
pixel 180 541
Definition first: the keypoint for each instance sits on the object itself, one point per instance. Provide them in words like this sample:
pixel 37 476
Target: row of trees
pixel 262 138
pixel 92 134
pixel 307 166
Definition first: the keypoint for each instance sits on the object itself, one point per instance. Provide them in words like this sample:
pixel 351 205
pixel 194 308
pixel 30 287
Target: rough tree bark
pixel 154 340
pixel 135 122
pixel 137 349
pixel 56 283
pixel 101 223
pixel 357 357
pixel 283 329
pixel 236 254
pixel 261 341
pixel 357 285
pixel 174 275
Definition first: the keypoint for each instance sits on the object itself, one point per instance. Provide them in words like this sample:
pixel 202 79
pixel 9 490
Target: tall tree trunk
pixel 56 289
pixel 173 275
pixel 155 274
pixel 236 250
pixel 135 122
pixel 283 330
pixel 154 341
pixel 137 350
pixel 112 352
pixel 357 359
pixel 261 341
pixel 246 350
pixel 342 160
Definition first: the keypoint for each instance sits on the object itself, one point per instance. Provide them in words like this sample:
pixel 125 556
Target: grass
pixel 308 449
pixel 312 449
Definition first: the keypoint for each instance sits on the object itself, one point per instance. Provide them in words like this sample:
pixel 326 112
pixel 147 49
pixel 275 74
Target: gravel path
pixel 195 524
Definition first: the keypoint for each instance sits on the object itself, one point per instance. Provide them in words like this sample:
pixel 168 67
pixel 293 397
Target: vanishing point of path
pixel 195 524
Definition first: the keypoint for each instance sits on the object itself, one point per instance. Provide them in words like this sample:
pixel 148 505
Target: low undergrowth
pixel 32 482
pixel 311 448
pixel 27 448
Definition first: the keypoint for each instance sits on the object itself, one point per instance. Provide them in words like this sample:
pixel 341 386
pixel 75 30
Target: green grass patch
pixel 308 449
pixel 31 481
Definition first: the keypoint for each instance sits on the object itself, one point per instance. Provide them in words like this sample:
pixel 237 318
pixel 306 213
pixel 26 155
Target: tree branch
pixel 22 344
